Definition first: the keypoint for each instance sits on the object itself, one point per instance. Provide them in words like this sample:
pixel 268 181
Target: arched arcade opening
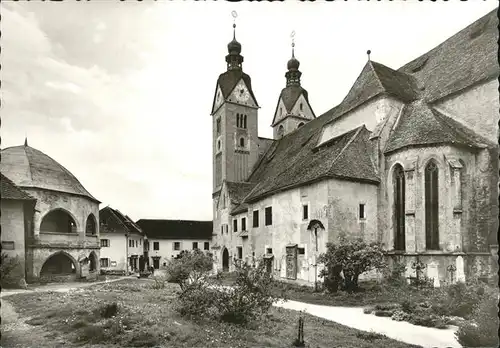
pixel 58 221
pixel 58 267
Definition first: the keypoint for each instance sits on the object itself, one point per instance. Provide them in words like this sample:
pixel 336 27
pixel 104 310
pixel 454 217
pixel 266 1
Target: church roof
pixel 113 219
pixel 238 190
pixel 176 229
pixel 295 161
pixel 465 59
pixel 30 168
pixel 290 95
pixel 419 124
pixel 229 79
pixel 9 190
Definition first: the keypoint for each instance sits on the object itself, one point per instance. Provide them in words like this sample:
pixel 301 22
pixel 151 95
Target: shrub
pixel 383 313
pixel 108 310
pixel 352 258
pixel 457 300
pixel 251 296
pixel 428 320
pixel 189 267
pixel 11 271
pixel 396 274
pixel 483 330
pixel 197 301
pixel 369 336
pixel 400 316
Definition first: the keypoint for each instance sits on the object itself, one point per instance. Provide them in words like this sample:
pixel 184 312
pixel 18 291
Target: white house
pixel 122 242
pixel 167 238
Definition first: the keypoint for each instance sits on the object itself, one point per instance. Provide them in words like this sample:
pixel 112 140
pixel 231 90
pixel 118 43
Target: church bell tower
pixel 293 109
pixel 234 121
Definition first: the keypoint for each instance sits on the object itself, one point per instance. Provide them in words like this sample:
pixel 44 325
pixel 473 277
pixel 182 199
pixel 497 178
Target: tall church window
pixel 218 126
pixel 238 121
pixel 399 208
pixel 245 121
pixel 431 206
pixel 242 142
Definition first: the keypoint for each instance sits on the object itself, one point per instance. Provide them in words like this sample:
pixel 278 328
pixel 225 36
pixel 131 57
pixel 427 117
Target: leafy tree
pixel 351 258
pixel 11 272
pixel 189 267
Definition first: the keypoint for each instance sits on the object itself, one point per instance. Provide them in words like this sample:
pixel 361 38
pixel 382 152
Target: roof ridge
pixel 376 74
pixel 117 218
pixel 354 136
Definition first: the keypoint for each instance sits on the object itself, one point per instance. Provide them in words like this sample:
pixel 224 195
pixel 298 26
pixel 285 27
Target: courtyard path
pixel 398 330
pixel 60 287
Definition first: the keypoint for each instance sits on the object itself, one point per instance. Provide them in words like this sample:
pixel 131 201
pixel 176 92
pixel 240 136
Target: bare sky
pixel 120 93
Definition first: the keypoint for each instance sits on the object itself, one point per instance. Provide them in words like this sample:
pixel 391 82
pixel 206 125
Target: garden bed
pixel 130 313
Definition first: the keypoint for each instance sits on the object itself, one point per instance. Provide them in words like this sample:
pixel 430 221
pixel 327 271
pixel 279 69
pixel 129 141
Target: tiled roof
pixel 290 95
pixel 463 60
pixel 295 161
pixel 176 229
pixel 229 79
pixel 466 58
pixel 241 208
pixel 238 190
pixel 29 167
pixel 115 221
pixel 419 124
pixel 9 190
pixel 376 79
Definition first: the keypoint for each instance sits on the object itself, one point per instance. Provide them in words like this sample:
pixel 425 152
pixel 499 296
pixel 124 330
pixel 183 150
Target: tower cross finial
pixel 292 35
pixel 368 53
pixel 235 15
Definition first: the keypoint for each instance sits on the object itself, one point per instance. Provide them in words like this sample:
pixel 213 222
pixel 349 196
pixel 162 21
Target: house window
pixel 156 245
pixel 256 218
pixel 305 212
pixel 362 213
pixel 399 208
pixel 242 142
pixel 240 252
pixel 195 245
pixel 218 126
pixel 8 245
pixel 269 216
pixel 104 262
pixel 269 250
pixel 243 224
pixel 177 245
pixel 431 206
pixel 104 243
pixel 301 251
pixel 206 246
pixel 235 225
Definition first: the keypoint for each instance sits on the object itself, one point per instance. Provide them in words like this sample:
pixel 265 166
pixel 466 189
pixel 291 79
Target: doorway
pixel 156 262
pixel 291 262
pixel 225 260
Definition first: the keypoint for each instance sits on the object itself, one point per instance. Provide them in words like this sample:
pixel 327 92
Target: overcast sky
pixel 120 93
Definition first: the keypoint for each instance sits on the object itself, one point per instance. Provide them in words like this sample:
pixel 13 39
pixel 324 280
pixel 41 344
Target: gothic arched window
pixel 245 121
pixel 238 120
pixel 281 130
pixel 399 208
pixel 431 206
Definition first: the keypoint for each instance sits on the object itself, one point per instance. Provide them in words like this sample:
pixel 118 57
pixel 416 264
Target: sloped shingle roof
pixel 176 229
pixel 298 162
pixel 9 190
pixel 290 95
pixel 29 167
pixel 238 191
pixel 229 79
pixel 419 124
pixel 466 58
pixel 116 221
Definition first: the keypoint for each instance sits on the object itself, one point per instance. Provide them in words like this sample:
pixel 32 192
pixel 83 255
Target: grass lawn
pixel 146 318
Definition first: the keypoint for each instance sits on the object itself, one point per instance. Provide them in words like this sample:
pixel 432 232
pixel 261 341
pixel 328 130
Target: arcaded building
pixel 409 159
pixel 58 239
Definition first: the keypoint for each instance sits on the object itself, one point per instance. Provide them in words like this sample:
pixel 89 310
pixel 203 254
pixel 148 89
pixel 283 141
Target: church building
pixel 409 158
